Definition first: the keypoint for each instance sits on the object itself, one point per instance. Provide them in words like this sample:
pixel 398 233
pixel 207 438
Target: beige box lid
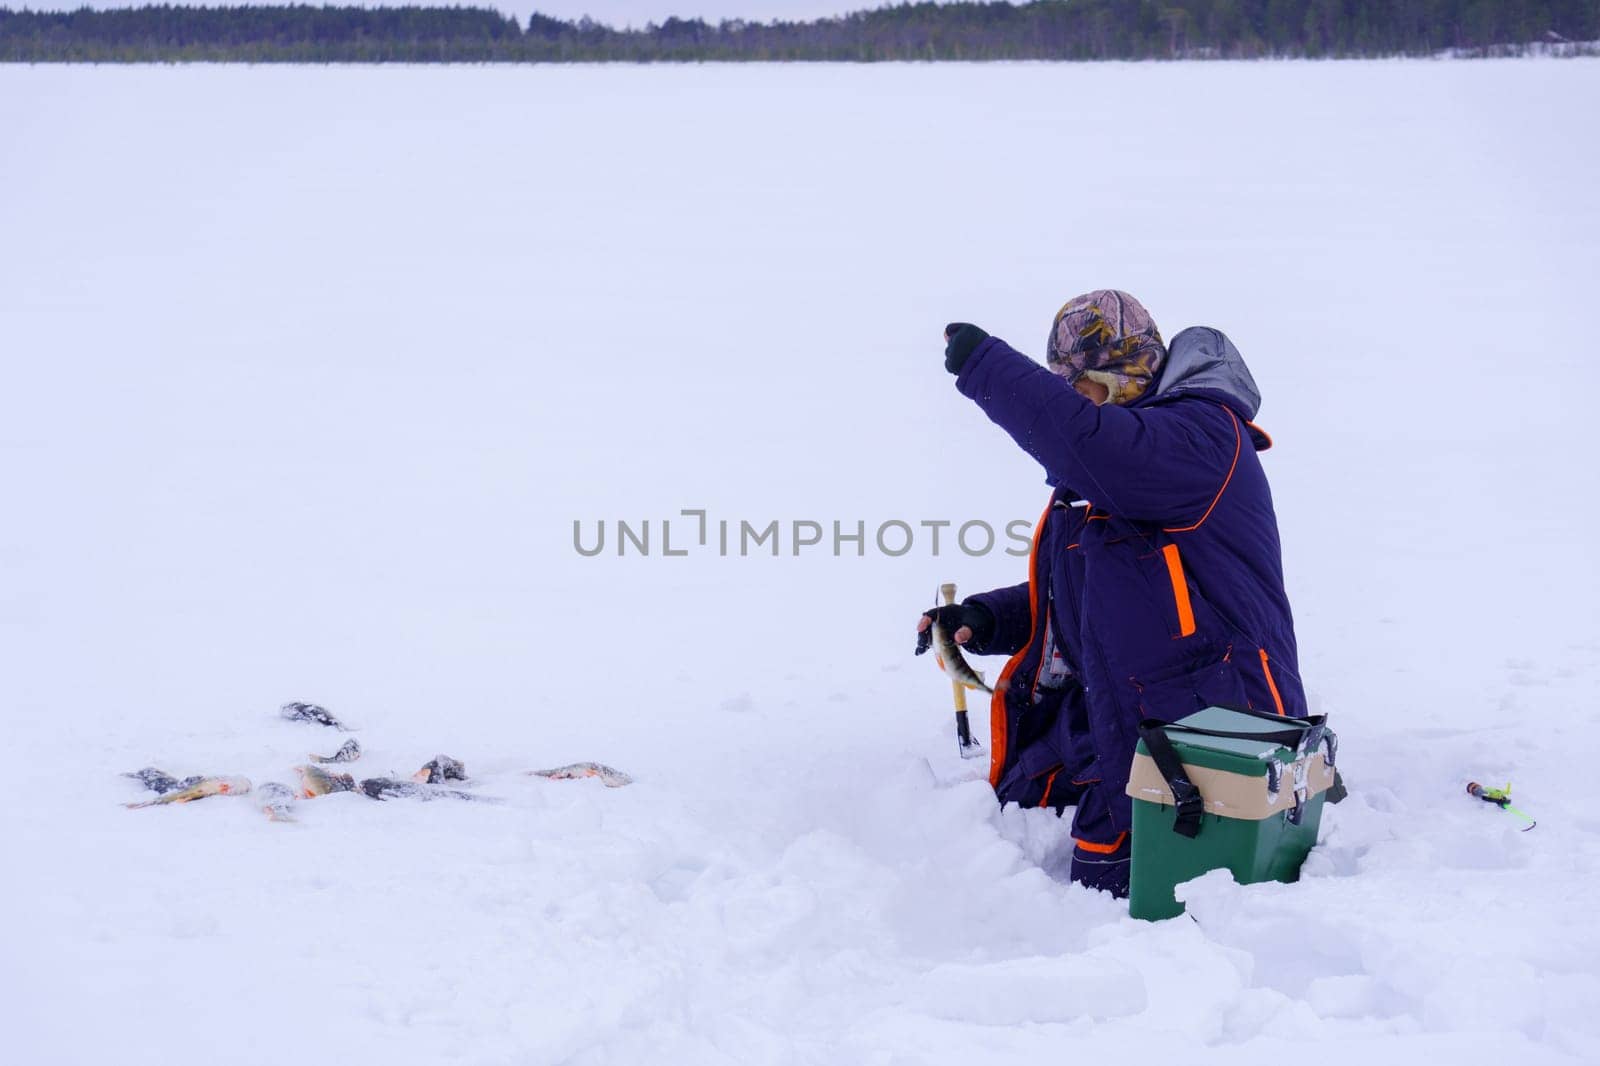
pixel 1226 794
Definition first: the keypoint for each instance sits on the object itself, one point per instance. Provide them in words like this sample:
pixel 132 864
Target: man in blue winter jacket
pixel 1155 584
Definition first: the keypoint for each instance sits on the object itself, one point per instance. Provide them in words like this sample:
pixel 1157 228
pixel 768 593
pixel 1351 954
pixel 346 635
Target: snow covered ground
pixel 309 372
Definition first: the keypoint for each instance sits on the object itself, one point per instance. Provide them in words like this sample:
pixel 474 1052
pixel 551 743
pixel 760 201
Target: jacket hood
pixel 1203 361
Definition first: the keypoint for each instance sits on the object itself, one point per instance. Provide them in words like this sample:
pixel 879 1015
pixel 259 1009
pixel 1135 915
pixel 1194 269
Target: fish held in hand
pixel 610 777
pixel 315 781
pixel 349 751
pixel 206 786
pixel 947 653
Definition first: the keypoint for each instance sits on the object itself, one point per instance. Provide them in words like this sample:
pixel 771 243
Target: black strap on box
pixel 1185 796
pixel 1304 737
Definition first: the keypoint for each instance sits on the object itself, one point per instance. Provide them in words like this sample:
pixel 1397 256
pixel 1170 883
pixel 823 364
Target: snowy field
pixel 309 372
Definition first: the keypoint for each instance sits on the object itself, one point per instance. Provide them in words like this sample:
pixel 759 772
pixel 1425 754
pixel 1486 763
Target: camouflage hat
pixel 1107 336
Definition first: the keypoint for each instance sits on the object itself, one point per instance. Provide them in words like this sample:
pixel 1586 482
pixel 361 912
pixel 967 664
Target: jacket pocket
pixel 1171 695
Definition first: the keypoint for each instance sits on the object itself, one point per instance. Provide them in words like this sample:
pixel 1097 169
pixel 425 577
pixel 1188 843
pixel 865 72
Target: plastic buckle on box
pixel 1301 791
pixel 1274 779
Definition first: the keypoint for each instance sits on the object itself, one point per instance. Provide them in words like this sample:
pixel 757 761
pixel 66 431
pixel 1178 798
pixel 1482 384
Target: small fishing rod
pixel 1500 797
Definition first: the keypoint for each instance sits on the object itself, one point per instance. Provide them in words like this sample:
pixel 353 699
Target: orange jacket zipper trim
pixel 1180 590
pixel 997 703
pixel 1266 670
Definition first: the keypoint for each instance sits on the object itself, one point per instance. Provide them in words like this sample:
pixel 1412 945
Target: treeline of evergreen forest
pixel 1045 29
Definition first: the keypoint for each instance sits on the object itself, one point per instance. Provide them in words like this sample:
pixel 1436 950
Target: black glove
pixel 960 339
pixel 975 616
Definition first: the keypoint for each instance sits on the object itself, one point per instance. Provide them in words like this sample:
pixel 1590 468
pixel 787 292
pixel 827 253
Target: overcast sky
pixel 615 12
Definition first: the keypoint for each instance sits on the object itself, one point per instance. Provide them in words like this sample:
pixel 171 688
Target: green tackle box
pixel 1249 801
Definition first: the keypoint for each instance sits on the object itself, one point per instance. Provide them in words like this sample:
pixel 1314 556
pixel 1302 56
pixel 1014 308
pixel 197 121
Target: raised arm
pixel 1163 464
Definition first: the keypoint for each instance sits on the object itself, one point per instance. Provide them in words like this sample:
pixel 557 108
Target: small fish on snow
pixel 206 786
pixel 160 781
pixel 349 751
pixel 315 781
pixel 311 712
pixel 440 768
pixel 276 801
pixel 608 776
pixel 388 788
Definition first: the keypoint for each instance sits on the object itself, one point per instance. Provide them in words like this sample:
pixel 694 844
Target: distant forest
pixel 1046 29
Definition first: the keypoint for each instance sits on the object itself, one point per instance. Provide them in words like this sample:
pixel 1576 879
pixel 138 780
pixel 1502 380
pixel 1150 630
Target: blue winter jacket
pixel 1155 584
